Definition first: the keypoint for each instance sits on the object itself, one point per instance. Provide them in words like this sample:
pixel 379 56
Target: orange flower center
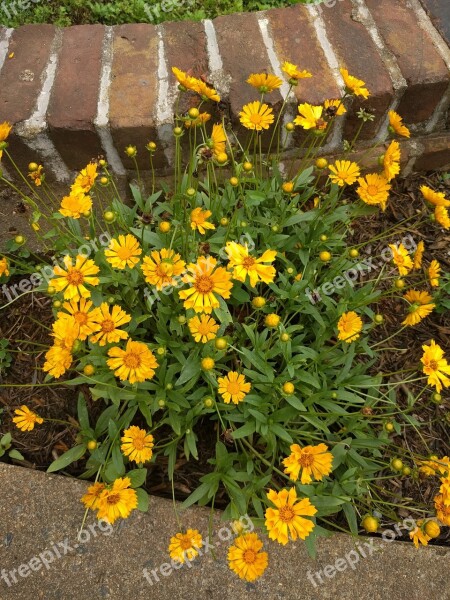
pixel 113 498
pixel 185 542
pixel 139 443
pixel 204 284
pixel 372 190
pixel 80 317
pixel 306 459
pixel 124 253
pixel 255 118
pixel 164 269
pixel 249 556
pixel 286 514
pixel 132 360
pixel 233 387
pixel 75 277
pixel 108 326
pixel 434 365
pixel 248 262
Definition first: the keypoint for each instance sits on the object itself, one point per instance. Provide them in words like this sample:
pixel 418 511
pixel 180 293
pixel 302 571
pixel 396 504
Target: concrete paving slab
pixel 40 515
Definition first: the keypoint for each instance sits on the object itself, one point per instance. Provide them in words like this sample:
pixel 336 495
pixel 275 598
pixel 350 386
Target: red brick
pixel 436 153
pixel 358 54
pixel 134 90
pixel 420 63
pixel 73 103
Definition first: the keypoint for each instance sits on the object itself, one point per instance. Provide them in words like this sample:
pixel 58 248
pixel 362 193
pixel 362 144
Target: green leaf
pixel 83 415
pixel 6 440
pixel 191 369
pixel 197 495
pixel 245 430
pixel 350 514
pixel 138 477
pixel 67 458
pixel 143 500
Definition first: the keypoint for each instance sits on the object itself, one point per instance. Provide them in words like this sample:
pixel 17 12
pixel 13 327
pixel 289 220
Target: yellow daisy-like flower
pixel 123 252
pixel 256 116
pixel 186 81
pixel 418 535
pixel 107 324
pixel 73 279
pixel 374 189
pixel 445 489
pixel 354 85
pixel 233 387
pixel 287 520
pixel 26 419
pixel 218 139
pixel 442 217
pixel 344 172
pixel 137 444
pixel 203 329
pixel 293 72
pixel 434 273
pixel 91 498
pixel 134 364
pixel 396 124
pixel 117 501
pixel 199 220
pixel 204 91
pixel 442 511
pixel 245 557
pixel 37 176
pixel 59 356
pixel 434 466
pixel 421 305
pixel 401 258
pixel 206 281
pixel 4 266
pixel 85 179
pixel 435 366
pixel 391 161
pixel 75 205
pixel 200 120
pixel 334 107
pixel 83 315
pixel 418 255
pixel 310 117
pixel 5 130
pixel 162 267
pixel 349 326
pixel 185 546
pixel 264 82
pixel 435 198
pixel 314 462
pixel 244 265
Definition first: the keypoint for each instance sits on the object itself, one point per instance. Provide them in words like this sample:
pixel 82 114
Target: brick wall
pixel 87 90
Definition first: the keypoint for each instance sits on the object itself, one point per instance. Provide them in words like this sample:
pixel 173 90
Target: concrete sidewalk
pixel 40 515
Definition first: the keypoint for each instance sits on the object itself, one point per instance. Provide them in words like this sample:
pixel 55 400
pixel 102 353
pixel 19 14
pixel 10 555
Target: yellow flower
pixel 107 325
pixel 203 329
pixel 186 81
pixel 4 266
pixel 435 366
pixel 445 489
pixel 117 501
pixel 243 264
pixel 137 444
pixel 344 172
pixel 37 176
pixel 59 356
pixel 442 217
pixel 204 91
pixel 391 161
pixel 434 273
pixel 200 120
pixel 233 387
pixel 349 326
pixel 207 363
pixel 287 519
pixel 85 180
pixel 418 254
pixel 123 252
pixel 310 117
pixel 206 281
pixel 245 557
pixel 72 280
pixel 421 305
pixel 257 116
pixel 418 535
pixel 264 82
pixel 293 72
pixel 162 267
pixel 401 258
pixel 436 198
pixel 185 546
pixel 80 311
pixel 354 85
pixel 5 130
pixel 374 189
pixel 434 466
pixel 199 220
pixel 218 140
pixel 26 419
pixel 442 511
pixel 314 461
pixel 396 124
pixel 75 205
pixel 334 107
pixel 134 364
pixel 91 498
pixel 272 320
